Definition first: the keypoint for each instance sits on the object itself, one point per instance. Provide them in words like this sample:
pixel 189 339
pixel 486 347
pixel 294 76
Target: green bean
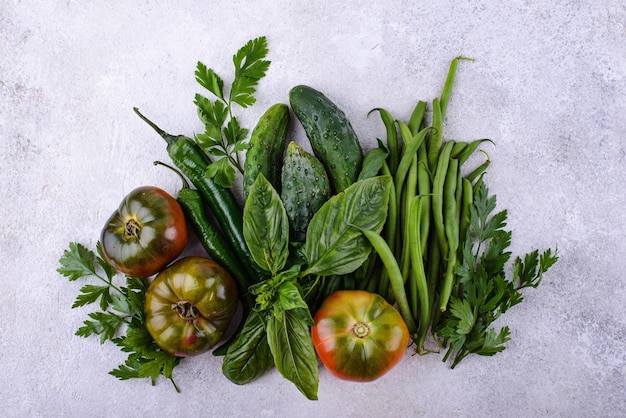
pixel 412 143
pixel 410 190
pixel 417 116
pixel 390 235
pixel 458 149
pixel 469 150
pixel 466 204
pixel 480 169
pixel 395 278
pixel 424 189
pixel 458 193
pixel 392 138
pixel 451 220
pixel 449 84
pixel 417 267
pixel 436 138
pixel 438 195
pixel 433 273
pixel 477 183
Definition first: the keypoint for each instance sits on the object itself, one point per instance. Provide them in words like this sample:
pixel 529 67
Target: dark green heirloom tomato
pixel 189 306
pixel 146 232
pixel 358 336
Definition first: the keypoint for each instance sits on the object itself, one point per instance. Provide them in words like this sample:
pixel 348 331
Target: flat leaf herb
pixel 484 293
pixel 120 318
pixel 223 137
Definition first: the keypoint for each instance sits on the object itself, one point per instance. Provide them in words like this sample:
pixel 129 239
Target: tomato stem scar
pixel 361 330
pixel 132 230
pixel 186 310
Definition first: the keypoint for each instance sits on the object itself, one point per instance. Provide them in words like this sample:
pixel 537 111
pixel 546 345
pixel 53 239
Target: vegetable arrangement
pixel 340 255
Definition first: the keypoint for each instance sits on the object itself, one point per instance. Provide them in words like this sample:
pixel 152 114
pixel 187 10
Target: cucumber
pixel 305 188
pixel 267 146
pixel 332 137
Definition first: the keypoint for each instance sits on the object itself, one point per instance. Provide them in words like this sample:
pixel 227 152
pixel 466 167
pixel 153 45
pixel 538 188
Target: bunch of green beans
pixel 429 213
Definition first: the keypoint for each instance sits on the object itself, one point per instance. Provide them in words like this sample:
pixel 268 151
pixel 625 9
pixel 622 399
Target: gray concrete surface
pixel 548 85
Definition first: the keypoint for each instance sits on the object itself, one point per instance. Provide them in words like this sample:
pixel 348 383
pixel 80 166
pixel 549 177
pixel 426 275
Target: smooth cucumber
pixel 305 188
pixel 330 133
pixel 267 146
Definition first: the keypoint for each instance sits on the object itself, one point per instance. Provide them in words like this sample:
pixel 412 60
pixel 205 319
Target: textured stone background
pixel 548 85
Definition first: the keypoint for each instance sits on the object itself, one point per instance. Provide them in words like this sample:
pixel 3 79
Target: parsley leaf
pixel 484 292
pixel 223 138
pixel 77 262
pixel 120 318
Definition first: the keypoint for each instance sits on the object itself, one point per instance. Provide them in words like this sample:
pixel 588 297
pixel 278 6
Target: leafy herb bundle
pixel 278 329
pixel 223 136
pixel 120 318
pixel 483 292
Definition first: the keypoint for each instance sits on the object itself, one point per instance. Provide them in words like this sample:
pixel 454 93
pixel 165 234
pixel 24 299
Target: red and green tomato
pixel 358 335
pixel 146 233
pixel 189 305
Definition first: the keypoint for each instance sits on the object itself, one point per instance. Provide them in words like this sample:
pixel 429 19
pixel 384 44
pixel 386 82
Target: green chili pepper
pixel 192 161
pixel 209 236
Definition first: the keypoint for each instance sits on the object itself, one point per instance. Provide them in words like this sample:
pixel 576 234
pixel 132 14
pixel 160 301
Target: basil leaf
pixel 289 297
pixel 334 245
pixel 289 338
pixel 268 290
pixel 249 356
pixel 266 226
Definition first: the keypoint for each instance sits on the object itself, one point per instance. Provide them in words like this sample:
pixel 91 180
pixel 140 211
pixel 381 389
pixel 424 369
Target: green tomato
pixel 146 233
pixel 358 336
pixel 189 305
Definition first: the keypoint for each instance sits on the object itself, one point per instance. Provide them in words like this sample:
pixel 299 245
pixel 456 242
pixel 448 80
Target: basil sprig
pixel 334 245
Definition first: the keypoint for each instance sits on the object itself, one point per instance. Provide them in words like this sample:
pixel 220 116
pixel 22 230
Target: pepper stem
pixel 170 139
pixel 185 182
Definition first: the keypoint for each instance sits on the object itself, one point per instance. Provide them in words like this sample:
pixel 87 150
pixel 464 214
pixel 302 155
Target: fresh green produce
pixel 443 259
pixel 193 163
pixel 331 135
pixel 306 188
pixel 145 233
pixel 334 245
pixel 358 335
pixel 223 136
pixel 189 305
pixel 249 356
pixel 211 238
pixel 266 147
pixel 120 317
pixel 408 223
pixel 484 293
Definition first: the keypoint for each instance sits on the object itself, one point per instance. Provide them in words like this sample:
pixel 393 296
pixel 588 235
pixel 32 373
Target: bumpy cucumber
pixel 332 137
pixel 305 188
pixel 267 146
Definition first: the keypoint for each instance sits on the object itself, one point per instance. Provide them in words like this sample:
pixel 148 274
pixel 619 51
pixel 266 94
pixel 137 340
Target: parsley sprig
pixel 120 318
pixel 484 293
pixel 223 136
